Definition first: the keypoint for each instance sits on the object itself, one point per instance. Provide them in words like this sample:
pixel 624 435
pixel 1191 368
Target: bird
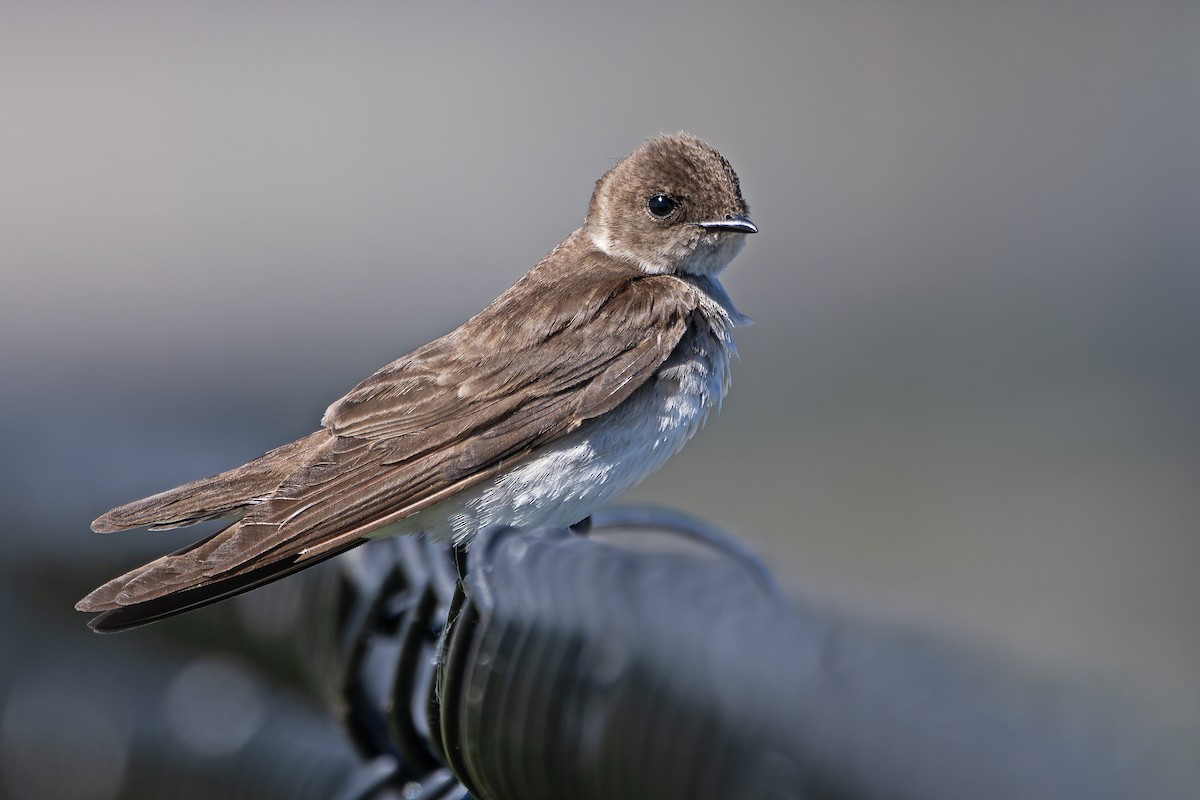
pixel 569 388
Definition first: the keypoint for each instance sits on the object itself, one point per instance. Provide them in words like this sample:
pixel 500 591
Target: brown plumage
pixel 570 342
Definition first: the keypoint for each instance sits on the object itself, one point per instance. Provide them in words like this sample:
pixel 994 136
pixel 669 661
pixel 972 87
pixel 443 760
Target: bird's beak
pixel 736 223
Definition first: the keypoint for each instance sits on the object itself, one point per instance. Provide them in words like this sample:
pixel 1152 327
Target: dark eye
pixel 660 206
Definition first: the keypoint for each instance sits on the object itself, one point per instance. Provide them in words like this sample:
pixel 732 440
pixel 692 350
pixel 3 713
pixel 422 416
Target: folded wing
pixel 531 367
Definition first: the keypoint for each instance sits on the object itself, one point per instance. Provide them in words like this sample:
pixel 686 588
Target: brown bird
pixel 572 386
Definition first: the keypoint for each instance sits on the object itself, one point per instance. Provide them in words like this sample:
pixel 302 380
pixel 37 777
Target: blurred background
pixel 968 405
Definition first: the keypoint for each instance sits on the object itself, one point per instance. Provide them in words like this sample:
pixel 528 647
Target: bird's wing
pixel 215 497
pixel 533 366
pixel 469 405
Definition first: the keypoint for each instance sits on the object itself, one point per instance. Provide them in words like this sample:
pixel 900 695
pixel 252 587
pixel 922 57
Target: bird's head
pixel 673 206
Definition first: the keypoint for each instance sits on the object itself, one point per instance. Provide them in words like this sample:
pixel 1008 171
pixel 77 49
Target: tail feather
pixel 133 587
pixel 215 497
pixel 235 559
pixel 116 615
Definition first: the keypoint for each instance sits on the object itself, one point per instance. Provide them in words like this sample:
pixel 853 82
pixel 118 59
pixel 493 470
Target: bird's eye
pixel 660 206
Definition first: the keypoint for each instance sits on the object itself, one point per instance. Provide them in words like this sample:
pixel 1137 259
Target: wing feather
pixel 544 358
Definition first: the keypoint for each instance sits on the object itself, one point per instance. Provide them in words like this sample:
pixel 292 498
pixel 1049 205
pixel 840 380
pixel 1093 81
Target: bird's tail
pixel 233 560
pixel 142 596
pixel 215 497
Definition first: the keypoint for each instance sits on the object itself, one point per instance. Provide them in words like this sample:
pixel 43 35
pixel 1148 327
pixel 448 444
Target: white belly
pixel 566 481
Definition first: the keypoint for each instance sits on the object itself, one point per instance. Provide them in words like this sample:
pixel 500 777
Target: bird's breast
pixel 563 482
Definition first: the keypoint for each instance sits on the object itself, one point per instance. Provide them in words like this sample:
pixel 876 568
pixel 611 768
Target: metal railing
pixel 541 664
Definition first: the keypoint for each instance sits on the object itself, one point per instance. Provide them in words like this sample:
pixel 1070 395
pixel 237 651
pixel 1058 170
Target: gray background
pixel 968 405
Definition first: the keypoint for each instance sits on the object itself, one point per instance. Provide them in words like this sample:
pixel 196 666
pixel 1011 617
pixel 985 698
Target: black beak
pixel 737 223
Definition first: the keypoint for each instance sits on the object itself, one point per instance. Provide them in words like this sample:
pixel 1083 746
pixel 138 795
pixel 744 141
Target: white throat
pixel 705 256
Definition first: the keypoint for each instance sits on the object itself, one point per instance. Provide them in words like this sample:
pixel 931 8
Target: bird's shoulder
pixel 564 324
